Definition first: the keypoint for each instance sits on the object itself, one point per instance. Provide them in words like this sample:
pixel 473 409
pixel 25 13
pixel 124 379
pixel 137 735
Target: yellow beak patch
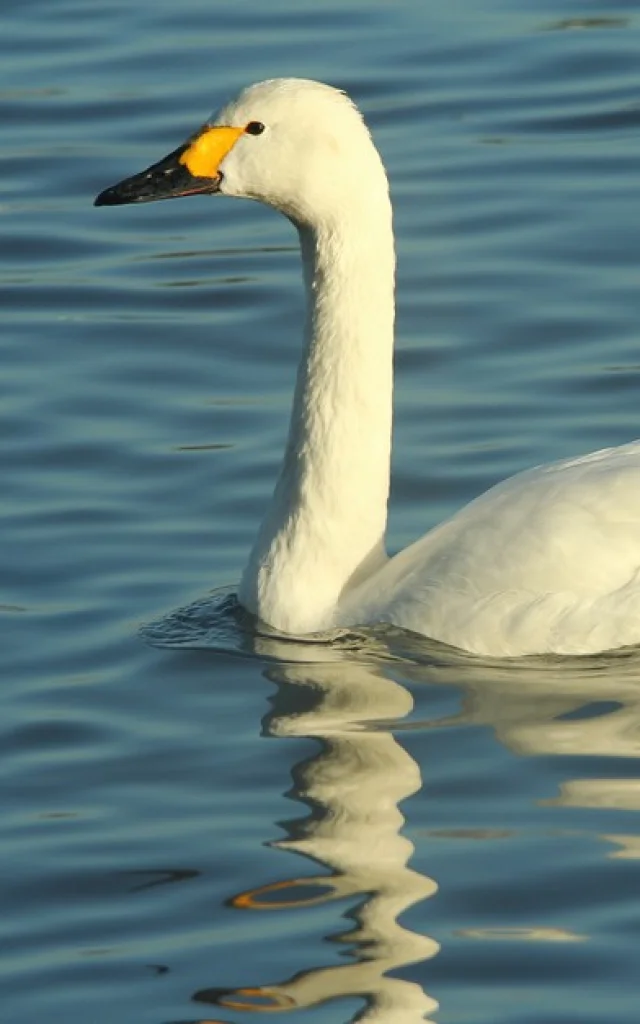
pixel 205 154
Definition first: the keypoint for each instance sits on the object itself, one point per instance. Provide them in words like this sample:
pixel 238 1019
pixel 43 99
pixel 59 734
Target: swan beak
pixel 191 170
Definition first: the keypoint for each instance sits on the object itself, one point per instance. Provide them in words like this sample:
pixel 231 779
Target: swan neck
pixel 324 529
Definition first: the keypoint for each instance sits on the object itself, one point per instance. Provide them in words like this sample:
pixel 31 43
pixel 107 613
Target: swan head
pixel 297 145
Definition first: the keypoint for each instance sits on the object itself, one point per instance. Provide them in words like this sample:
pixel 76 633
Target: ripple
pixel 185 826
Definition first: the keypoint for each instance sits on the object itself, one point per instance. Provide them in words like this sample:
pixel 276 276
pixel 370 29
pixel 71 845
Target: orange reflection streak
pixel 250 900
pixel 279 1000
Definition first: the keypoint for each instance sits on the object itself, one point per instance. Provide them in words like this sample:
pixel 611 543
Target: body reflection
pixel 353 785
pixel 583 712
pixel 583 707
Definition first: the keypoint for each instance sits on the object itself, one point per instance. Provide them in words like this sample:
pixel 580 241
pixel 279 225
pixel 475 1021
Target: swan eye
pixel 254 128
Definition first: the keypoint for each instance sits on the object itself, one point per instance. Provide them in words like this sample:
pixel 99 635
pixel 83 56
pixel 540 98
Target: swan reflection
pixel 354 785
pixel 584 707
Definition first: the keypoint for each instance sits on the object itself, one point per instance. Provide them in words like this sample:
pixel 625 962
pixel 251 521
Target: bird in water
pixel 547 561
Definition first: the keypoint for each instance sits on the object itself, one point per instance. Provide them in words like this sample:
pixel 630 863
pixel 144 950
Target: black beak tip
pixel 167 179
pixel 122 194
pixel 107 198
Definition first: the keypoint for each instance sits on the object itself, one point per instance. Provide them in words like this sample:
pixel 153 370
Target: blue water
pixel 237 825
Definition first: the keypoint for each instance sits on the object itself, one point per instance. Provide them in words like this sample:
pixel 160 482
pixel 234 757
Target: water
pixel 366 829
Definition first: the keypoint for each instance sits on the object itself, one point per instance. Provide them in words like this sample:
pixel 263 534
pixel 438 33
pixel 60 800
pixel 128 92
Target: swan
pixel 547 561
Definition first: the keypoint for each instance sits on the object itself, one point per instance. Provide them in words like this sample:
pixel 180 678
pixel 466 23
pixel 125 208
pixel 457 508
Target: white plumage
pixel 547 561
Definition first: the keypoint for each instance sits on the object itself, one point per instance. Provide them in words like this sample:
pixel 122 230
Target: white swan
pixel 548 561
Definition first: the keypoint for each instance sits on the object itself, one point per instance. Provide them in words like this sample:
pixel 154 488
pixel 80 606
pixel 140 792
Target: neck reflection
pixel 353 787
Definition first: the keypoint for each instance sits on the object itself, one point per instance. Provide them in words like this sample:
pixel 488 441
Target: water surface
pixel 363 831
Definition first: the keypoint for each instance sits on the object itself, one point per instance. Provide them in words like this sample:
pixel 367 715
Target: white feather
pixel 547 561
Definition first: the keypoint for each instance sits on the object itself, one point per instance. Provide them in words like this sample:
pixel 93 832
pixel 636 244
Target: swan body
pixel 547 561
